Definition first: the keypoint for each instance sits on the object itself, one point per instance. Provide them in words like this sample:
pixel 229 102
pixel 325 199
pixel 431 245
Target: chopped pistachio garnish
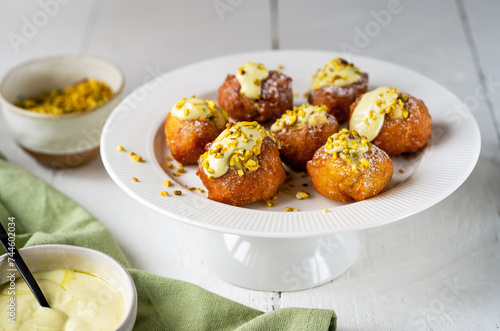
pixel 337 72
pixel 400 170
pixel 169 158
pixel 269 203
pixel 170 166
pixel 120 148
pixel 178 192
pixel 137 158
pixel 166 183
pixel 301 116
pixel 164 193
pixel 350 147
pixel 302 195
pixel 236 147
pixel 250 76
pixel 325 210
pixel 288 209
pixel 199 109
pixel 369 115
pixel 135 179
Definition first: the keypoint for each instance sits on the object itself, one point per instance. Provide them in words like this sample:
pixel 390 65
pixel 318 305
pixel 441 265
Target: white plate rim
pixel 439 174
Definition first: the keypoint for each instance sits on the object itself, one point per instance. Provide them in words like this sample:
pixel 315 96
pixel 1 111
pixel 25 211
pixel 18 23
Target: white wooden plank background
pixel 439 269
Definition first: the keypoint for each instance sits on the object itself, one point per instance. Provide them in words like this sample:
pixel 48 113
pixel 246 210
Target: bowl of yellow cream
pixel 86 290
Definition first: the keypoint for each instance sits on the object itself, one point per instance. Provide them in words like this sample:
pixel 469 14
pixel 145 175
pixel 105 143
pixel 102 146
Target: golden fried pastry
pixel 336 86
pixel 349 168
pixel 396 122
pixel 242 165
pixel 302 131
pixel 191 124
pixel 255 93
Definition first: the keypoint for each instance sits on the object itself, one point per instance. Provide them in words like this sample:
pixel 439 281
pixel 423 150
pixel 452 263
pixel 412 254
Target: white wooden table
pixel 439 269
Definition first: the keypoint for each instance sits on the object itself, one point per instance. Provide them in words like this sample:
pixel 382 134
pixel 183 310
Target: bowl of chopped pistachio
pixel 56 107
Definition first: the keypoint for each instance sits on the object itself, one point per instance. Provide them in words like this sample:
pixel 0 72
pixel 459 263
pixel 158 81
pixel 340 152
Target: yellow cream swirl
pixel 250 76
pixel 337 72
pixel 237 146
pixel 369 115
pixel 350 147
pixel 301 116
pixel 199 109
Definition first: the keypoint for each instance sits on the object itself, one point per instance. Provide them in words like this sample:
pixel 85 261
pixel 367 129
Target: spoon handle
pixel 22 267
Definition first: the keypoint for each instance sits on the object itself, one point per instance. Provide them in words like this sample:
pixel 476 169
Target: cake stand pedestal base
pixel 280 264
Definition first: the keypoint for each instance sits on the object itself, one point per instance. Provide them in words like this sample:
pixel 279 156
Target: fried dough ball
pixel 301 132
pixel 256 94
pixel 191 124
pixel 242 165
pixel 336 86
pixel 349 168
pixel 400 125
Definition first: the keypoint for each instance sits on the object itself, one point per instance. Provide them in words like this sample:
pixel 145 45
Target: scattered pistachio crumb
pixel 295 94
pixel 192 189
pixel 280 67
pixel 325 210
pixel 269 203
pixel 302 195
pixel 303 174
pixel 170 166
pixel 166 183
pixel 181 170
pixel 169 158
pixel 137 158
pixel 295 209
pixel 178 192
pixel 135 179
pixel 164 193
pixel 131 153
pixel 120 148
pixel 275 197
pixel 400 170
pixel 288 209
pixel 201 190
pixel 180 165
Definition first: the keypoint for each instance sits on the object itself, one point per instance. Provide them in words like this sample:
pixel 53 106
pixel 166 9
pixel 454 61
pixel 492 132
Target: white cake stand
pixel 265 248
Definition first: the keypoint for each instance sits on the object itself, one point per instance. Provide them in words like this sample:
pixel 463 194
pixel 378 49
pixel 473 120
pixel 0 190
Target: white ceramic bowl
pixel 66 140
pixel 47 257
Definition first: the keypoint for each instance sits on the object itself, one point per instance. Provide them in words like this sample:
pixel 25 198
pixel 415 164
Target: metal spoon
pixel 11 250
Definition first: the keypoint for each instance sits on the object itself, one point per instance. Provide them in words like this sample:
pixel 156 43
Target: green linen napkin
pixel 45 216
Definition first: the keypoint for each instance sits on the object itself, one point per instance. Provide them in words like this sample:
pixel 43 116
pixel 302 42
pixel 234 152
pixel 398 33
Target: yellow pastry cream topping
pixel 301 116
pixel 250 76
pixel 199 109
pixel 337 72
pixel 369 115
pixel 236 147
pixel 350 147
